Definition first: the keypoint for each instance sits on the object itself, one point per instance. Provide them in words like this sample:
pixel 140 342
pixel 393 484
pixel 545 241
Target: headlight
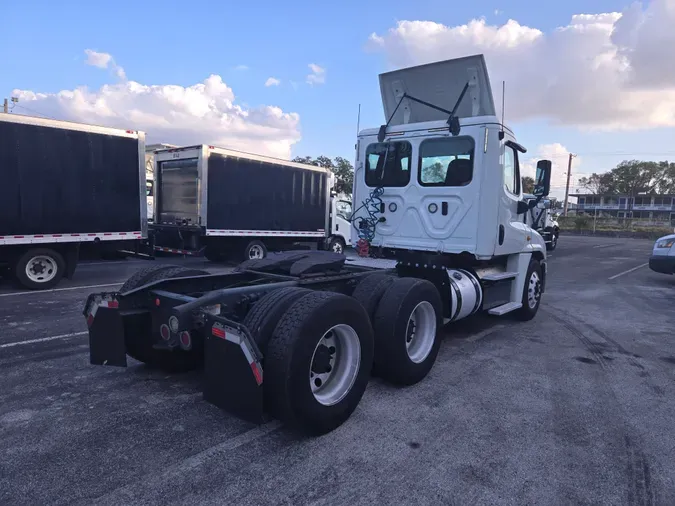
pixel 665 243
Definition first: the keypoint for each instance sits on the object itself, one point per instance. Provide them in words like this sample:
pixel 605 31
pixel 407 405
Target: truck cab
pixel 541 219
pixel 340 224
pixel 439 185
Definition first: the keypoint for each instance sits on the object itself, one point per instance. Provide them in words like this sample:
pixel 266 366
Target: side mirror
pixel 523 207
pixel 542 179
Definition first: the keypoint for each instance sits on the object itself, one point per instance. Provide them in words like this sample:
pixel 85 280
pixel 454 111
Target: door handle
pixel 444 208
pixel 381 207
pixel 501 234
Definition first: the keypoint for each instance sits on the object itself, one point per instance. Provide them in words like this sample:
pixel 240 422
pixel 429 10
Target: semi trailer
pixel 437 216
pixel 65 186
pixel 227 204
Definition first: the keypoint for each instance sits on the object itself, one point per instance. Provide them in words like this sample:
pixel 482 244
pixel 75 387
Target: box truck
pixel 228 204
pixel 62 185
pixel 437 199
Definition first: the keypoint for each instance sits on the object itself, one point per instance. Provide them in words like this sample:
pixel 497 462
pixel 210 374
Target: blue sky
pixel 172 42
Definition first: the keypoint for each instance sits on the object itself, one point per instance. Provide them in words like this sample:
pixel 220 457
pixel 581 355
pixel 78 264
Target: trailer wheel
pixel 370 290
pixel 255 250
pixel 266 313
pixel 318 362
pixel 140 345
pixel 531 292
pixel 40 268
pixel 407 321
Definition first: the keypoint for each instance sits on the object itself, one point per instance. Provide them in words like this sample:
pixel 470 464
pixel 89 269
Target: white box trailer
pixel 63 185
pixel 437 195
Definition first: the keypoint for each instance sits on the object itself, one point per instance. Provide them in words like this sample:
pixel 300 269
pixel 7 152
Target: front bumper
pixel 662 264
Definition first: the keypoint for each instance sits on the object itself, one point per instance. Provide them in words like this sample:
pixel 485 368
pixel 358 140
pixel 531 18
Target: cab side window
pixel 511 171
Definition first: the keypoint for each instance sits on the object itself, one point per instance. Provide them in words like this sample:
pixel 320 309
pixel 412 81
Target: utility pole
pixel 5 106
pixel 567 187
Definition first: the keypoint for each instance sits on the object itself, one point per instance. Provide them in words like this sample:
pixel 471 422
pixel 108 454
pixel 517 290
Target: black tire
pixel 370 290
pixel 45 264
pixel 336 245
pixel 139 278
pixel 526 312
pixel 252 246
pixel 287 390
pixel 392 319
pixel 551 246
pixel 139 344
pixel 265 314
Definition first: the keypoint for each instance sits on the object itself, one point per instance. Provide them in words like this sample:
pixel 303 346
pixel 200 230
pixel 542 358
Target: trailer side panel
pixel 251 195
pixel 63 181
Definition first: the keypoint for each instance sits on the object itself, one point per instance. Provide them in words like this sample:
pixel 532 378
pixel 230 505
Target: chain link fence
pixel 643 228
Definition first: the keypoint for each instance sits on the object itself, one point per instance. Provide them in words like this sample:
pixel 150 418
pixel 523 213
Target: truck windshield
pixel 177 191
pixel 388 164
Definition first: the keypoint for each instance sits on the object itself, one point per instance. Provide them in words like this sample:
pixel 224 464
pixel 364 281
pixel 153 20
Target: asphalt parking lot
pixel 574 407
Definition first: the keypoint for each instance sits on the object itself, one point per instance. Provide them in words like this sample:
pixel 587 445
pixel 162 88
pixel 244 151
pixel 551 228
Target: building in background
pixel 653 208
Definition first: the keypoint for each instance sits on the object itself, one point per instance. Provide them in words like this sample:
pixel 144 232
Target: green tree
pixel 340 167
pixel 633 177
pixel 528 184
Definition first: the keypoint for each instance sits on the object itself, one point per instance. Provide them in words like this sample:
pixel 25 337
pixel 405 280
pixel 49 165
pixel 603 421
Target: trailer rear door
pixel 178 191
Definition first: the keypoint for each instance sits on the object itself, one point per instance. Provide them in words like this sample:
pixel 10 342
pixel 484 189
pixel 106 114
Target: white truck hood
pixel 440 83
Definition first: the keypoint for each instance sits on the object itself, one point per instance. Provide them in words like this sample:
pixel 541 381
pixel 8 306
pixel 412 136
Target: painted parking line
pixel 70 288
pixel 629 270
pixel 43 339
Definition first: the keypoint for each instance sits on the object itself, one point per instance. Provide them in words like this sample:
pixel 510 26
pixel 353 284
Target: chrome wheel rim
pixel 421 332
pixel 335 364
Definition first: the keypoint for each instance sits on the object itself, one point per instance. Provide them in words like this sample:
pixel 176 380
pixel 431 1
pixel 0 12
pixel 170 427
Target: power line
pixel 33 111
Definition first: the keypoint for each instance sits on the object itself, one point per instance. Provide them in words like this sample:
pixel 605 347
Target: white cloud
pixel 497 12
pixel 202 113
pixel 603 71
pixel 559 156
pixel 272 81
pixel 241 67
pixel 318 75
pixel 104 61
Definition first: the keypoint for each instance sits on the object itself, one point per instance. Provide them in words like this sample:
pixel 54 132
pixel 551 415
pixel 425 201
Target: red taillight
pixel 185 340
pixel 218 332
pixel 156 302
pixel 164 332
pixel 113 304
pixel 90 320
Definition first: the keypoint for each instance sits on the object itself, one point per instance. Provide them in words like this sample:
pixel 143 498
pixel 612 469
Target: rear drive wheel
pixel 318 362
pixel 40 269
pixel 265 314
pixel 139 278
pixel 407 321
pixel 531 292
pixel 140 342
pixel 255 250
pixel 554 241
pixel 370 290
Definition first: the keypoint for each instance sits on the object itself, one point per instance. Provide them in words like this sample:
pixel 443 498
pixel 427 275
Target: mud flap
pixel 106 338
pixel 233 376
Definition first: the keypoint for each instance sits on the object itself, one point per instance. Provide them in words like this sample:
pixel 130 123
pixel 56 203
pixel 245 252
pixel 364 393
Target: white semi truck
pixel 541 219
pixel 437 198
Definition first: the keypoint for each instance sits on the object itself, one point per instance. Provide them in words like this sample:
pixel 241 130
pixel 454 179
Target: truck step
pixel 499 276
pixel 505 308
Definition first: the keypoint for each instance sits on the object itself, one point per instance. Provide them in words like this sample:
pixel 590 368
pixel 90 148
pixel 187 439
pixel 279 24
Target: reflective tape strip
pixel 264 233
pixel 79 237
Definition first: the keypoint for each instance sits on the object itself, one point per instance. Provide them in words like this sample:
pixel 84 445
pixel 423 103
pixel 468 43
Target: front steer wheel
pixel 318 362
pixel 531 292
